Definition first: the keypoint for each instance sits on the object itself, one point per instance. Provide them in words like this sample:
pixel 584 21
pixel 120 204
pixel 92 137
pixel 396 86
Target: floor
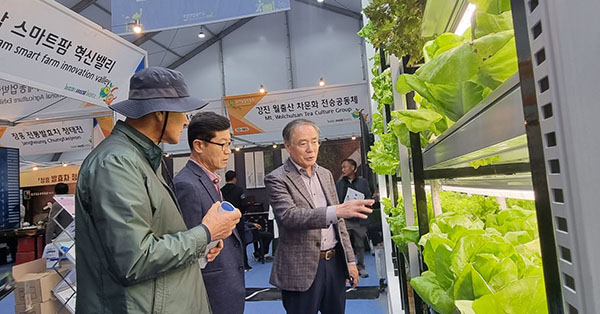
pixel 258 277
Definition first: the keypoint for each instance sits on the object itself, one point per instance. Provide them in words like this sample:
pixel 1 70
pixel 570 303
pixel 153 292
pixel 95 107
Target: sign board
pixel 47 46
pixel 155 15
pixel 50 176
pixel 36 139
pixel 270 112
pixel 14 97
pixel 9 189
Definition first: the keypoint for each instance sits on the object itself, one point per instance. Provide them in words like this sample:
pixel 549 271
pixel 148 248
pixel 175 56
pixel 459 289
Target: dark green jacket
pixel 134 252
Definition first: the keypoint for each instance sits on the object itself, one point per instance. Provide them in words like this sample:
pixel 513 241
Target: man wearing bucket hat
pixel 135 254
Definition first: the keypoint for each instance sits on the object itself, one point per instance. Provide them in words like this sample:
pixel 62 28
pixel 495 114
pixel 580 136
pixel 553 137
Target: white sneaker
pixel 363 273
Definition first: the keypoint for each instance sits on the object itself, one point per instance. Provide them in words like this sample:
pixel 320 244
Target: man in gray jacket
pixel 314 259
pixel 134 252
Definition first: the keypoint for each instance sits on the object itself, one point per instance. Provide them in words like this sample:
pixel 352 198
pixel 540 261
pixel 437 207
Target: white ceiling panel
pixel 167 59
pixel 324 44
pixel 165 37
pixel 188 36
pixel 105 4
pixel 256 54
pixel 97 16
pixel 203 74
pixel 151 47
pixel 155 58
pixel 185 49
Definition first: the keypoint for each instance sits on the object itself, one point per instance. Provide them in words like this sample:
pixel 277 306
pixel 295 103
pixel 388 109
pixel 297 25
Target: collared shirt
pixel 314 187
pixel 215 178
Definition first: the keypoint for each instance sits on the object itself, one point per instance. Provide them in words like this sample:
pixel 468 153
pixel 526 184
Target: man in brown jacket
pixel 314 259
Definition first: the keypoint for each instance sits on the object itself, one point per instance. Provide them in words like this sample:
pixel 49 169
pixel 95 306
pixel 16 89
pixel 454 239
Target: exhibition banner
pixel 36 139
pixel 270 112
pixel 50 176
pixel 47 46
pixel 17 100
pixel 155 15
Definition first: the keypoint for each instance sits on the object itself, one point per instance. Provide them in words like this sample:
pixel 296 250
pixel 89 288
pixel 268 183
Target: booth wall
pixel 321 44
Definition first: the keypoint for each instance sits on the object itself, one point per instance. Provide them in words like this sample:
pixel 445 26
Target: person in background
pixel 197 189
pixel 357 228
pixel 134 251
pixel 262 240
pixel 52 228
pixel 314 258
pixel 235 195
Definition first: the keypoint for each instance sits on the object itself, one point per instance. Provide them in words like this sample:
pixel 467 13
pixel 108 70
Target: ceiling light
pixel 201 33
pixel 320 1
pixel 274 145
pixel 262 89
pixel 136 26
pixel 465 21
pixel 35 168
pixel 36 119
pixel 65 164
pixel 321 82
pixel 353 137
pixel 237 148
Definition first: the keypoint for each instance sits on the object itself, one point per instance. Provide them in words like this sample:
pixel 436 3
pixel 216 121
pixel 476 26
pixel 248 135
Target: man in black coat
pixel 357 228
pixel 235 195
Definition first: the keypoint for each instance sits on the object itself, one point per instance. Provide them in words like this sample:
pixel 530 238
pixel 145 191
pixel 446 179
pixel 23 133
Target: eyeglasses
pixel 224 146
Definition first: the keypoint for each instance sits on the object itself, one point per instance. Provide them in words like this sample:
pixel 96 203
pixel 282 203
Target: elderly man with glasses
pixel 197 189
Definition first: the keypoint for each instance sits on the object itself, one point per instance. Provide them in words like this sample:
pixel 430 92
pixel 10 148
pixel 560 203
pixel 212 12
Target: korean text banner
pixel 50 176
pixel 50 47
pixel 36 139
pixel 157 15
pixel 270 112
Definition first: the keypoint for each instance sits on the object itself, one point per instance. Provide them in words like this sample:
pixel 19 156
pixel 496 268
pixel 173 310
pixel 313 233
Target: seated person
pixel 261 238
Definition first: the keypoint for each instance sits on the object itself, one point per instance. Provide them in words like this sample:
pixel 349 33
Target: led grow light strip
pixel 465 21
pixel 518 194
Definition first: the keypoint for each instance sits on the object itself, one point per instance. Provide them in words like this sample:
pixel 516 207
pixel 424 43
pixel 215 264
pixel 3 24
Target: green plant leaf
pixel 487 23
pixel 418 120
pixel 524 296
pixel 492 6
pixel 430 290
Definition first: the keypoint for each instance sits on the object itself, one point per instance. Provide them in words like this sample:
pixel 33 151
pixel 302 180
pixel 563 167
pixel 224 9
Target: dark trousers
pixel 357 233
pixel 327 293
pixel 241 232
pixel 265 239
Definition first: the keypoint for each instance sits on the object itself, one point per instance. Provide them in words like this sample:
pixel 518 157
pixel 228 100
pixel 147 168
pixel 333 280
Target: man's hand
pixel 214 252
pixel 220 224
pixel 354 209
pixel 353 270
pixel 257 226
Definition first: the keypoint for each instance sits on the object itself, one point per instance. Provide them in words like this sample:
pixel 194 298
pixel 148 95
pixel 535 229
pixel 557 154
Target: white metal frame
pixel 564 41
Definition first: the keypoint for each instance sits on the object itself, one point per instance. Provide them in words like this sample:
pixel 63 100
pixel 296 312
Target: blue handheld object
pixel 225 205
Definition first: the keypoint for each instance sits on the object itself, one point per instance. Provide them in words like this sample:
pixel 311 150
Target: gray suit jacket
pixel 223 277
pixel 300 224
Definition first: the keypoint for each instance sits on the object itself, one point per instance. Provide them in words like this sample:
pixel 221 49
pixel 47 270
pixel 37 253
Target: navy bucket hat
pixel 157 89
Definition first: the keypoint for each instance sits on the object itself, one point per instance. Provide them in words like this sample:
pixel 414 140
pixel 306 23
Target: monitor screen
pixel 9 188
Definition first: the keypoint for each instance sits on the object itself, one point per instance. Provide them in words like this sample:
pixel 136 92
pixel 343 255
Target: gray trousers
pixel 358 233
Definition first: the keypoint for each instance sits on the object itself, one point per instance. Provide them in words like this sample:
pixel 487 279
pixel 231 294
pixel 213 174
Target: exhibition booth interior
pixel 469 118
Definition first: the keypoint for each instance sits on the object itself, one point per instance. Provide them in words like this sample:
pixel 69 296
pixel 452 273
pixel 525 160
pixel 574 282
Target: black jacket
pixel 359 184
pixel 235 195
